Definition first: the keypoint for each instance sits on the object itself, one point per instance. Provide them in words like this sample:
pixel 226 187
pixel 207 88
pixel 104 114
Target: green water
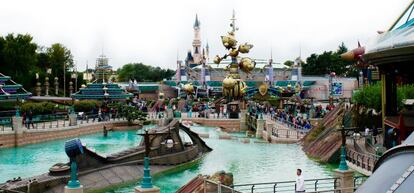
pixel 249 163
pixel 30 160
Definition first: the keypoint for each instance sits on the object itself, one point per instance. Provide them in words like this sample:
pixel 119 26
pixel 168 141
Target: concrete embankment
pixel 24 136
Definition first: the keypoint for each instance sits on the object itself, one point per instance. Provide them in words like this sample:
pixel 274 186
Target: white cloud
pixel 152 31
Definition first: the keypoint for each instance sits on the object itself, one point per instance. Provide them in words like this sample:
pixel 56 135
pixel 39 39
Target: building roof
pixel 394 171
pixel 10 90
pixel 396 42
pixel 101 91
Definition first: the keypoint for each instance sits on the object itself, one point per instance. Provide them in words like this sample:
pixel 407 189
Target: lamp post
pixel 146 183
pixel 342 164
pixel 64 79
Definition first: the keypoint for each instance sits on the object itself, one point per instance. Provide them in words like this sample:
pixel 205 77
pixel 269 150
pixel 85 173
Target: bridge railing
pixel 287 133
pixel 312 185
pixel 315 185
pixel 364 161
pixel 214 187
pixel 290 124
pixel 5 123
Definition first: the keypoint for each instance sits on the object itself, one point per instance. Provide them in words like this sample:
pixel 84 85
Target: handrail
pixel 365 161
pixel 289 124
pixel 282 182
pixel 318 186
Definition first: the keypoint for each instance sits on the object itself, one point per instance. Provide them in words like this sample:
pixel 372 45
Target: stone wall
pixel 229 125
pixel 32 136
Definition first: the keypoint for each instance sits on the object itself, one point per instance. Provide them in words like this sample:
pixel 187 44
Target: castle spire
pixel 197 50
pixel 196 22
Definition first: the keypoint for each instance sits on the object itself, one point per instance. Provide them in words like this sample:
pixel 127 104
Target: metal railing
pixel 56 121
pixel 290 124
pixel 214 187
pixel 5 122
pixel 287 133
pixel 315 185
pixel 364 161
pixel 9 191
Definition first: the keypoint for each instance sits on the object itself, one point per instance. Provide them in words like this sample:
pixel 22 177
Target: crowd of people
pixel 297 121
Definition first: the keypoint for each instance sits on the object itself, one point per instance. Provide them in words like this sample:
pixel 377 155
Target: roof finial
pixel 233 22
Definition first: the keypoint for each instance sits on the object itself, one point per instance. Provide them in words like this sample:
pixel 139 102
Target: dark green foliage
pixel 41 108
pixel 288 63
pixel 18 58
pixel 131 113
pixel 143 73
pixel 329 62
pixel 86 105
pixel 369 97
pixel 21 58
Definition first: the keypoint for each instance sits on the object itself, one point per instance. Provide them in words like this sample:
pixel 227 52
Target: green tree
pixel 143 73
pixel 18 58
pixel 59 57
pixel 329 61
pixel 288 63
pixel 61 62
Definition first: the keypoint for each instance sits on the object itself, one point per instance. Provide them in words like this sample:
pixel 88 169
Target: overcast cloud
pixel 153 31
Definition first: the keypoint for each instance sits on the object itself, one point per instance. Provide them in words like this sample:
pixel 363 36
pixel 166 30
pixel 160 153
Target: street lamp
pixel 342 164
pixel 169 142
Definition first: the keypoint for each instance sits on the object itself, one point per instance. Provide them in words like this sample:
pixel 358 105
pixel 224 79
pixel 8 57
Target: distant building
pixel 102 86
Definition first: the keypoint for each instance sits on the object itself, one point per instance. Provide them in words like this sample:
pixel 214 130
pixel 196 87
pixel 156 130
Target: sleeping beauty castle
pixel 207 77
pixel 199 76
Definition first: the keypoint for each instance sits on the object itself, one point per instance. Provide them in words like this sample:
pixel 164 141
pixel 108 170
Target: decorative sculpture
pixel 73 148
pixel 233 86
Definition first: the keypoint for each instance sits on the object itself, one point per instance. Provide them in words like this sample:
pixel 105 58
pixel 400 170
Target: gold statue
pixel 188 88
pixel 233 86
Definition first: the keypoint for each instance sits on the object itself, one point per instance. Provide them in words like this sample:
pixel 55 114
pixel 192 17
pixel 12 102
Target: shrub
pixel 86 105
pixel 370 96
pixel 41 108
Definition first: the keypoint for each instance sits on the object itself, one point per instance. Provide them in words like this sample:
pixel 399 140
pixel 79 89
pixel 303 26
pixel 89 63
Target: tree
pixel 61 62
pixel 18 58
pixel 288 63
pixel 329 61
pixel 59 58
pixel 143 73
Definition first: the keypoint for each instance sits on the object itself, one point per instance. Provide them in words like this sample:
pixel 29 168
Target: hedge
pixel 86 105
pixel 40 108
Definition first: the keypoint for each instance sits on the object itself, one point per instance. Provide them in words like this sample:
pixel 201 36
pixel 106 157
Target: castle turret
pixel 197 55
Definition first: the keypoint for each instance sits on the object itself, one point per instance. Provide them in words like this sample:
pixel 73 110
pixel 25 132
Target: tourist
pixel 225 111
pixel 217 108
pixel 30 116
pixel 100 115
pixel 366 131
pixel 300 182
pixel 190 112
pixel 222 110
pixel 374 134
pixel 24 119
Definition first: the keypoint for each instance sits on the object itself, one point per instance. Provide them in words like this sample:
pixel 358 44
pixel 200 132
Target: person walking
pixel 366 131
pixel 300 182
pixel 30 116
